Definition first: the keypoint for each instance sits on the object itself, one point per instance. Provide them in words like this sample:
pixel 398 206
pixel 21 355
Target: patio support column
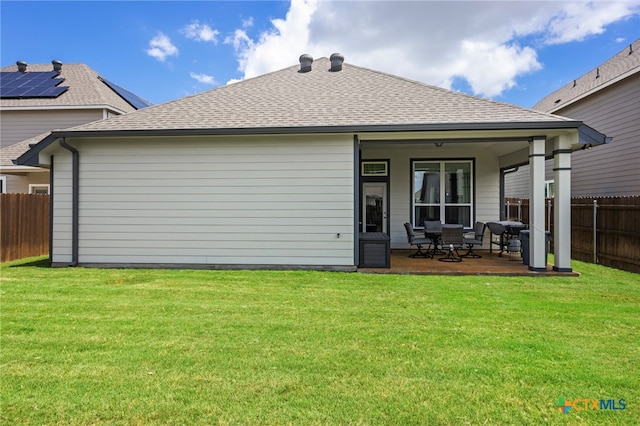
pixel 562 202
pixel 537 257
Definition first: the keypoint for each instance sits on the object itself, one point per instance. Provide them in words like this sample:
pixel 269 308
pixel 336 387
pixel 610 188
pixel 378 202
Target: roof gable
pixel 354 97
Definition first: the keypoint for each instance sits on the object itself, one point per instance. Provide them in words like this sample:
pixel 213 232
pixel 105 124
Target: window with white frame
pixel 39 189
pixel 3 184
pixel 442 190
pixel 549 190
pixel 374 168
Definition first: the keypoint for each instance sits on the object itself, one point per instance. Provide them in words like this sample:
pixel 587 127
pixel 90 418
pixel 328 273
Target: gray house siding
pixel 20 184
pixel 612 169
pixel 606 170
pixel 268 201
pixel 24 124
pixel 20 125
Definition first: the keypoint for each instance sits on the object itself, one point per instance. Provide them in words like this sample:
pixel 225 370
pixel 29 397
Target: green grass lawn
pixel 99 346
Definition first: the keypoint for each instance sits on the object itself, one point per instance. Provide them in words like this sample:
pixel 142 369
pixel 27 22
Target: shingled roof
pixel 11 152
pixel 86 89
pixel 354 98
pixel 625 63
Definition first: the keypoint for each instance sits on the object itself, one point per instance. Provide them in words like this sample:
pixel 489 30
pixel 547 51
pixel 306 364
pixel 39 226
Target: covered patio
pixel 457 177
pixel 489 264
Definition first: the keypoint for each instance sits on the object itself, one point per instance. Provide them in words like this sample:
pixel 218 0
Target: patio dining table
pixel 436 235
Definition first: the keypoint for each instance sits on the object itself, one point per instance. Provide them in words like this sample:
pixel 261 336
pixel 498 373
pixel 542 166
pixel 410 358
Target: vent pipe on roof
pixel 22 66
pixel 305 62
pixel 336 62
pixel 57 65
pixel 630 48
pixel 598 73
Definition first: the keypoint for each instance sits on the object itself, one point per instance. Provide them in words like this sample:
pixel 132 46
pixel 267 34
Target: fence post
pixel 519 210
pixel 595 233
pixel 548 214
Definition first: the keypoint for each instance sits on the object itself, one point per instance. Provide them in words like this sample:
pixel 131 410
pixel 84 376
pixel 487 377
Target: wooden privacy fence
pixel 604 230
pixel 24 226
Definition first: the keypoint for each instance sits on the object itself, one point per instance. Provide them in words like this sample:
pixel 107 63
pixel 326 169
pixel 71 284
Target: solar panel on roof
pixel 33 84
pixel 134 100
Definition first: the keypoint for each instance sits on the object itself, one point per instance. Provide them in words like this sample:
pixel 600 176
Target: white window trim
pixel 547 188
pixel 443 205
pixel 34 186
pixel 4 184
pixel 384 163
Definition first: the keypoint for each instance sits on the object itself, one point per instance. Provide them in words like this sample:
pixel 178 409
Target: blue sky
pixel 514 52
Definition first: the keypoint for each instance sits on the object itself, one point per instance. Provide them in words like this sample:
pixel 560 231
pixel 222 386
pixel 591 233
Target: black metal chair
pixel 432 226
pixel 478 234
pixel 418 242
pixel 452 240
pixel 433 230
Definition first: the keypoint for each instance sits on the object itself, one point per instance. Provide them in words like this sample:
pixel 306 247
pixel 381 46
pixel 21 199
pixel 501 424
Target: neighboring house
pixel 275 171
pixel 35 99
pixel 606 98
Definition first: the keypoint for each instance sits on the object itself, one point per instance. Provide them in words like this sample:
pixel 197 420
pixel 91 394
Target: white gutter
pixel 63 108
pixel 21 169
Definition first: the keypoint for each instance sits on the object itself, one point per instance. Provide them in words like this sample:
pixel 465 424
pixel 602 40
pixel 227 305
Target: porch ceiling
pixel 497 147
pixel 466 135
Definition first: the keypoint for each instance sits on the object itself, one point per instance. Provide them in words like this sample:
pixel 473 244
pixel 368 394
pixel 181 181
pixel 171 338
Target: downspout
pixel 51 211
pixel 75 192
pixel 356 200
pixel 503 173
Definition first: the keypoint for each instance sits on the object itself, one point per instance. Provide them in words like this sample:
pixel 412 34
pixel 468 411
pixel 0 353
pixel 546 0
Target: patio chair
pixel 433 230
pixel 418 242
pixel 478 234
pixel 453 240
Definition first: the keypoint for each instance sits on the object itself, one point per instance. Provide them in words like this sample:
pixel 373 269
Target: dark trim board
pixel 328 268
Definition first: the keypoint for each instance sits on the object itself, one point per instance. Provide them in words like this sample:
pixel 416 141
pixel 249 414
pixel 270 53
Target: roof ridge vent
pixel 305 62
pixel 22 66
pixel 337 60
pixel 57 65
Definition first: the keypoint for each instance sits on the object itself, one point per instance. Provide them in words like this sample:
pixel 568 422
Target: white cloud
pixel 204 78
pixel 201 32
pixel 487 44
pixel 247 23
pixel 490 69
pixel 577 21
pixel 160 47
pixel 272 50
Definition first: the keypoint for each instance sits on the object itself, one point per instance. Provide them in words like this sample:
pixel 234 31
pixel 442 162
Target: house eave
pixel 356 128
pixel 62 108
pixel 596 89
pixel 12 169
pixel 588 136
pixel 30 158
